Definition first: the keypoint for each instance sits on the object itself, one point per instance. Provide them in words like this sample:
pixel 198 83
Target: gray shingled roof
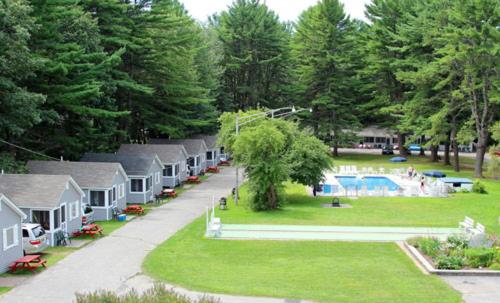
pixel 210 140
pixel 86 174
pixel 43 191
pixel 193 146
pixel 166 153
pixel 132 164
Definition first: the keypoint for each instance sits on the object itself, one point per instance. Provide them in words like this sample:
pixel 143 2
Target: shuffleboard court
pixel 339 233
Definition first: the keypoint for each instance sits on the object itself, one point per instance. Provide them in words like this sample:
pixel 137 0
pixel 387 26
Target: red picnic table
pixel 134 209
pixel 213 169
pixel 91 230
pixel 193 179
pixel 30 262
pixel 224 163
pixel 169 192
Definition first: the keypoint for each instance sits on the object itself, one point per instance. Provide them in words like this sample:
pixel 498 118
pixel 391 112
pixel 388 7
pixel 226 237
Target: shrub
pixel 449 262
pixel 159 293
pixel 457 242
pixel 478 187
pixel 480 257
pixel 429 246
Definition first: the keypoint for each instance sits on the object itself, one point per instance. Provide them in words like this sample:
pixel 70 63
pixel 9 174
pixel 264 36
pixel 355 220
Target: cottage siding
pixel 155 169
pixel 69 196
pixel 9 218
pixel 121 203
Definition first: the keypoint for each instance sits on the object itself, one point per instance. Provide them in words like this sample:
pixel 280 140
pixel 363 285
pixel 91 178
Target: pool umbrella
pixel 398 159
pixel 434 174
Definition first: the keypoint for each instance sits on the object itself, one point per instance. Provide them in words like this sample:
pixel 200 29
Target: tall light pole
pixel 247 119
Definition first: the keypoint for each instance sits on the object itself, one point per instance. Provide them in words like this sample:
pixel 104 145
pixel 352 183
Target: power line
pixel 28 150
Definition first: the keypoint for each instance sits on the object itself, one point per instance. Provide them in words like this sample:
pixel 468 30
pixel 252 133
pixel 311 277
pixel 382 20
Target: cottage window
pixel 198 161
pixel 114 194
pixel 63 213
pixel 168 171
pixel 149 183
pixel 73 210
pixel 97 198
pixel 177 169
pixel 10 237
pixel 157 177
pixel 136 186
pixel 121 191
pixel 209 155
pixel 57 218
pixel 191 162
pixel 41 217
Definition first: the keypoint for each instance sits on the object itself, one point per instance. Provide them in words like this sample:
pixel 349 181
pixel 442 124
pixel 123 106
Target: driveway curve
pixel 114 262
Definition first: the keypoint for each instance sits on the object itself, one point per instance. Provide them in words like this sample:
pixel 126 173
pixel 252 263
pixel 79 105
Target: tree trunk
pixel 272 198
pixel 480 151
pixel 401 142
pixel 447 153
pixel 335 149
pixel 434 153
pixel 454 144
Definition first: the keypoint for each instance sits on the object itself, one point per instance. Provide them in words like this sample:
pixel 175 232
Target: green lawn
pixel 4 290
pixel 323 271
pixel 320 271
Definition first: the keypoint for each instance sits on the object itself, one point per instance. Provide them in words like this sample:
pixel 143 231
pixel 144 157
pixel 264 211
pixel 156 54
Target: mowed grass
pixel 4 290
pixel 314 270
pixel 303 209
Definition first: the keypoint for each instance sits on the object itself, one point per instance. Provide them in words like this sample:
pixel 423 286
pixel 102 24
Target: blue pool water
pixel 370 182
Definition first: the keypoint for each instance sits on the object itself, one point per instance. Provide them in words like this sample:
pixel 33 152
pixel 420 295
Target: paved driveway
pixel 476 289
pixel 110 262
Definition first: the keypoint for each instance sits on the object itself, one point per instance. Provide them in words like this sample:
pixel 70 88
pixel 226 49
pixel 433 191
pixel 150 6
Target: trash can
pixel 122 217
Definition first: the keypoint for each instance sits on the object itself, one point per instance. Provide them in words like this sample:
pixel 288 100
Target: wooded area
pixel 87 75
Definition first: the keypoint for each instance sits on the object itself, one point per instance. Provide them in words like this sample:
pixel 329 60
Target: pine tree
pixel 256 53
pixel 19 107
pixel 80 113
pixel 324 49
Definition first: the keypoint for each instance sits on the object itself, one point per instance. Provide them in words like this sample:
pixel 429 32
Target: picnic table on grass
pixel 224 163
pixel 169 192
pixel 134 209
pixel 91 230
pixel 193 179
pixel 213 169
pixel 30 262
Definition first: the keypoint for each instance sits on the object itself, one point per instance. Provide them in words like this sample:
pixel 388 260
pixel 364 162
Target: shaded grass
pixel 4 290
pixel 314 270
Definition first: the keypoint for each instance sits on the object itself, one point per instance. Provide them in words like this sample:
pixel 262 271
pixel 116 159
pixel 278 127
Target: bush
pixel 449 262
pixel 480 257
pixel 429 246
pixel 158 293
pixel 457 242
pixel 478 187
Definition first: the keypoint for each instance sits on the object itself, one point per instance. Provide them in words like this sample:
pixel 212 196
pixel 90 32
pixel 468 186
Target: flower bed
pixel 455 254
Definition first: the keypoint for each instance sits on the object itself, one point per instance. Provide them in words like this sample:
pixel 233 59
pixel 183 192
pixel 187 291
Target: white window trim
pixel 73 206
pixel 157 178
pixel 143 186
pixel 121 191
pixel 15 232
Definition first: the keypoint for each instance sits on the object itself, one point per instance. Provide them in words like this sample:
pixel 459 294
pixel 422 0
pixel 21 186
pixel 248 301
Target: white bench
pixel 467 224
pixel 480 229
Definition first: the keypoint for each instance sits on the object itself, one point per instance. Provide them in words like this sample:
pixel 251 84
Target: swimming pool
pixel 371 182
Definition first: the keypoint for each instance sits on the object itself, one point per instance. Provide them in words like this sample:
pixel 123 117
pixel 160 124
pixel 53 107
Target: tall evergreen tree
pixel 80 113
pixel 324 49
pixel 19 108
pixel 256 52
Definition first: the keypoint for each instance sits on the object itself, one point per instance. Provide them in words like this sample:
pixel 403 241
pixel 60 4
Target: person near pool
pixel 422 183
pixel 410 171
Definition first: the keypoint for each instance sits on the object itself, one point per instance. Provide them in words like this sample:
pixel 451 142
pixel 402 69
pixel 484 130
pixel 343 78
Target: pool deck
pixel 332 233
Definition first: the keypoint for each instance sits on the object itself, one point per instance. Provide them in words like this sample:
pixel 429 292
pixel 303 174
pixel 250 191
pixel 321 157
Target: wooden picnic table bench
pixel 30 262
pixel 193 179
pixel 134 209
pixel 213 169
pixel 224 163
pixel 91 230
pixel 169 192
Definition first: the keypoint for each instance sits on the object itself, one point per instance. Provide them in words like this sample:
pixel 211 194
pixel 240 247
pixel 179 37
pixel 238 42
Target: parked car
pixel 414 147
pixel 387 150
pixel 87 214
pixel 34 238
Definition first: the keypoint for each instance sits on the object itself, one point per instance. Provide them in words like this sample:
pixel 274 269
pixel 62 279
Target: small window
pixel 73 210
pixel 136 185
pixel 97 198
pixel 177 169
pixel 114 194
pixel 157 177
pixel 121 191
pixel 191 162
pixel 10 237
pixel 63 213
pixel 57 218
pixel 149 183
pixel 209 155
pixel 168 171
pixel 26 233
